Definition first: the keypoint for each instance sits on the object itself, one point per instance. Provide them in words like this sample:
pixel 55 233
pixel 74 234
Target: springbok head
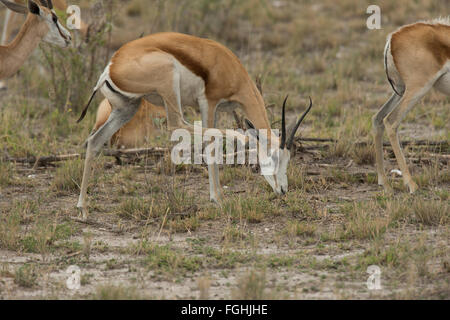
pixel 274 164
pixel 54 32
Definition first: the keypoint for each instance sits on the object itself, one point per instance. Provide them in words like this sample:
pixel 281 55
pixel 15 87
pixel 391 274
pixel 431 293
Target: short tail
pixel 386 51
pixel 83 114
pixel 100 83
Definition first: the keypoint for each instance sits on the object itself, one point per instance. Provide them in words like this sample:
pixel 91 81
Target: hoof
pixel 382 181
pixel 387 188
pixel 83 213
pixel 413 187
pixel 217 201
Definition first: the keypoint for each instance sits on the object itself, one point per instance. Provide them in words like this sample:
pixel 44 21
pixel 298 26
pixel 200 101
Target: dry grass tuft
pixel 364 222
pixel 432 212
pixel 26 276
pixel 253 209
pixel 251 286
pixel 300 229
pixel 6 173
pixel 364 154
pixel 113 292
pixel 68 176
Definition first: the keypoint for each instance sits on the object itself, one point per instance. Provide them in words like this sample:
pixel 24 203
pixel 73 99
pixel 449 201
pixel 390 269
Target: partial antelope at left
pixel 41 24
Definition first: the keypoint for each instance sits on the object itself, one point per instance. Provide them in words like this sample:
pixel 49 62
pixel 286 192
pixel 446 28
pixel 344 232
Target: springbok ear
pixel 15 7
pixel 33 7
pixel 249 124
pixel 253 132
pixel 259 84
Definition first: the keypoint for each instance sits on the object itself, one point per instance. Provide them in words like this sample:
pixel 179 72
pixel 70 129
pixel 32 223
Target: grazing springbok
pixel 136 132
pixel 41 24
pixel 416 60
pixel 175 70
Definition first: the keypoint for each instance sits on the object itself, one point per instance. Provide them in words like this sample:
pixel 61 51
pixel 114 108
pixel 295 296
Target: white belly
pixel 191 86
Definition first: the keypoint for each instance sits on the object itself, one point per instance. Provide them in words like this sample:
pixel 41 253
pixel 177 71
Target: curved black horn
pixel 294 131
pixel 283 124
pixel 50 4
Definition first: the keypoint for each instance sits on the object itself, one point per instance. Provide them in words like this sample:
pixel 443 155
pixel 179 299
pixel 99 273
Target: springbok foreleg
pixel 175 120
pixel 209 121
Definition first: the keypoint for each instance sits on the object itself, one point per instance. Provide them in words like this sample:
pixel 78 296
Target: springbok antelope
pixel 174 70
pixel 10 19
pixel 41 24
pixel 135 133
pixel 416 60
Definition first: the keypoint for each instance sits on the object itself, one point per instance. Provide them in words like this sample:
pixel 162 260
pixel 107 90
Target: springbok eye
pixel 54 18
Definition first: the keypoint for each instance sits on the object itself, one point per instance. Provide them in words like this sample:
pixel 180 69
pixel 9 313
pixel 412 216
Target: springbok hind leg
pixel 378 130
pixel 392 123
pixel 118 118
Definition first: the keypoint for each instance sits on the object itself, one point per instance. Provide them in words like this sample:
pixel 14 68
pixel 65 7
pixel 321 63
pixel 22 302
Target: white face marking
pixel 191 86
pixel 279 160
pixel 57 34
